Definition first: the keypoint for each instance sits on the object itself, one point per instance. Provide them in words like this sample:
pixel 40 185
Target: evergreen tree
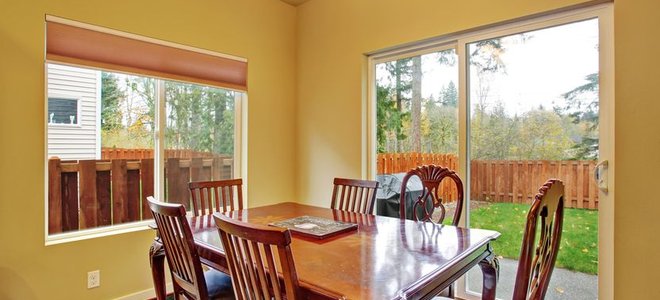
pixel 582 106
pixel 111 97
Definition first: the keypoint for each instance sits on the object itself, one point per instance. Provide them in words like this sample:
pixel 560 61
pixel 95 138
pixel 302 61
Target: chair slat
pixel 259 265
pixel 216 196
pixel 253 262
pixel 274 281
pixel 351 195
pixel 238 278
pixel 177 238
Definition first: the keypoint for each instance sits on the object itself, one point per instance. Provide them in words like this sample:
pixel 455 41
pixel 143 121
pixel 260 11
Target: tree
pixel 449 95
pixel 416 105
pixel 542 136
pixel 402 73
pixel 111 98
pixel 487 128
pixel 486 56
pixel 440 127
pixel 199 118
pixel 582 106
pixel 493 133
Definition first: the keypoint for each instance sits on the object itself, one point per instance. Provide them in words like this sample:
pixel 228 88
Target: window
pixel 533 101
pixel 139 135
pixel 417 119
pixel 63 111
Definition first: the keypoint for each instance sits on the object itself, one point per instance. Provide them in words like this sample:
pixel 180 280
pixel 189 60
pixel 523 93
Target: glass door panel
pixel 533 115
pixel 416 124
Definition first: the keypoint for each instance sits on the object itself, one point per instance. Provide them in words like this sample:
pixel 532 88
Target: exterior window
pixel 90 189
pixel 63 111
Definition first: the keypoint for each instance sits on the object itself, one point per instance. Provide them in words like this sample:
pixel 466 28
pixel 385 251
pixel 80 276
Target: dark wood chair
pixel 188 277
pixel 423 207
pixel 354 195
pixel 537 258
pixel 219 195
pixel 259 258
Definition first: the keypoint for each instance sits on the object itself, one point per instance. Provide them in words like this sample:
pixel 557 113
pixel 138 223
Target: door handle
pixel 600 175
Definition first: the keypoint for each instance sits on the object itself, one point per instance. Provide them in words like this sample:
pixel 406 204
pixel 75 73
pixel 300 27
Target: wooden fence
pixel 512 181
pixel 93 193
pixel 123 153
pixel 389 163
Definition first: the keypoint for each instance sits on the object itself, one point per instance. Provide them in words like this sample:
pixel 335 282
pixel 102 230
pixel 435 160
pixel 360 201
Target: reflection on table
pixel 385 258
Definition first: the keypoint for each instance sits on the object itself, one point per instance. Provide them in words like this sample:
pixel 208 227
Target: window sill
pixel 81 235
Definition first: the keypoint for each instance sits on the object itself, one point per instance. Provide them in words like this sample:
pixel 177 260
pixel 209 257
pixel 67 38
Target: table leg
pixel 490 267
pixel 157 261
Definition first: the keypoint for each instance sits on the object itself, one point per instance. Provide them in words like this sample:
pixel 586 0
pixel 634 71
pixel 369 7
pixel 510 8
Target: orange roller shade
pixel 82 46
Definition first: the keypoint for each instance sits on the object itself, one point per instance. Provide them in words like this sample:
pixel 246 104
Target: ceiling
pixel 295 2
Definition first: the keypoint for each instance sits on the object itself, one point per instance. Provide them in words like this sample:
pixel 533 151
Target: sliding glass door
pixel 508 108
pixel 534 115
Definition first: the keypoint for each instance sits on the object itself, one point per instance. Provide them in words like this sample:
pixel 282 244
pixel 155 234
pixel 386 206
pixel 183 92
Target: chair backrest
pixel 431 176
pixel 354 195
pixel 253 252
pixel 182 257
pixel 536 263
pixel 219 195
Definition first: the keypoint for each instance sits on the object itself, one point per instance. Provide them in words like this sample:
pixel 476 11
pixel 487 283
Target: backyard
pixel 579 240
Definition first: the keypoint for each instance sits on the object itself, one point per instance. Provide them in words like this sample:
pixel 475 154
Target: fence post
pixel 119 191
pixel 173 176
pixel 88 204
pixel 133 192
pixel 196 169
pixel 103 195
pixel 216 168
pixel 147 177
pixel 54 196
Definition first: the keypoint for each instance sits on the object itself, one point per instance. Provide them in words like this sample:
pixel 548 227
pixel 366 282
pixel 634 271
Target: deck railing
pixel 513 181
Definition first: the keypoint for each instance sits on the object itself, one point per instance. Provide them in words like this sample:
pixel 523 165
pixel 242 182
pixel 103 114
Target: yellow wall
pixel 333 37
pixel 637 132
pixel 314 138
pixel 261 30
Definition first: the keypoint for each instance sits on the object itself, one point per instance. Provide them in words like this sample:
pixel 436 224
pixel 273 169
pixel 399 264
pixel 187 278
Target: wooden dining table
pixel 384 258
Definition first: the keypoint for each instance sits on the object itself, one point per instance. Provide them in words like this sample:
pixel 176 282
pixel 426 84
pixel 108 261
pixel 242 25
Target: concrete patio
pixel 564 284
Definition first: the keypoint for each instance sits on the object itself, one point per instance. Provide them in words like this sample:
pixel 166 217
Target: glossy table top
pixel 385 258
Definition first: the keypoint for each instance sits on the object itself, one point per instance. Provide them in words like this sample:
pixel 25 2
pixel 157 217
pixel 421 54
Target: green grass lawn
pixel 579 240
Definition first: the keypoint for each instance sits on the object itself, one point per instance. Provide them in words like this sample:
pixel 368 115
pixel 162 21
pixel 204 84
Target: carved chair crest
pixel 431 177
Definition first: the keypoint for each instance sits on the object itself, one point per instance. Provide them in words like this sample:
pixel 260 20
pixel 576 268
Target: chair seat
pixel 218 285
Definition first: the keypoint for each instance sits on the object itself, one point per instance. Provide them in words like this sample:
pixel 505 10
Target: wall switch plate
pixel 93 279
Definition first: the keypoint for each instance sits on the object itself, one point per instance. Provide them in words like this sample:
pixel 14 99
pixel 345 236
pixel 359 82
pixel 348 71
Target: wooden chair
pixel 220 195
pixel 431 177
pixel 188 278
pixel 354 195
pixel 537 262
pixel 251 252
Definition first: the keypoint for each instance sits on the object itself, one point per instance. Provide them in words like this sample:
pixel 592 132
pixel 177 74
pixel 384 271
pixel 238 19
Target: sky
pixel 539 68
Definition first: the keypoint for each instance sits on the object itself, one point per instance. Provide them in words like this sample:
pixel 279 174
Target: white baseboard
pixel 146 294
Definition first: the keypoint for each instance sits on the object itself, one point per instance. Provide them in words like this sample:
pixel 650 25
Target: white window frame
pixel 240 160
pixel 604 13
pixel 78 110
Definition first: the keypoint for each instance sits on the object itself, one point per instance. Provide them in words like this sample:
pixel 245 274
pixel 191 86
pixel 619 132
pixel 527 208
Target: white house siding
pixel 79 141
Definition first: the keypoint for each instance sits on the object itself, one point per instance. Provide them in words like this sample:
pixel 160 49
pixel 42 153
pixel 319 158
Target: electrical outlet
pixel 93 279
